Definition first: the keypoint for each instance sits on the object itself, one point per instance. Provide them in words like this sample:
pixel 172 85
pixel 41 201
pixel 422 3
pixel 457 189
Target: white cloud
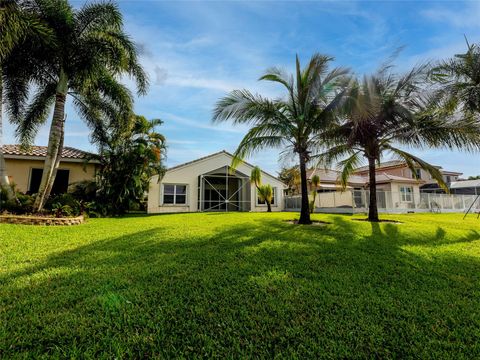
pixel 468 16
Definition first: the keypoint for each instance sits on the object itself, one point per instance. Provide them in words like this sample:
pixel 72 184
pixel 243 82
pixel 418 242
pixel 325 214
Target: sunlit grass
pixel 242 285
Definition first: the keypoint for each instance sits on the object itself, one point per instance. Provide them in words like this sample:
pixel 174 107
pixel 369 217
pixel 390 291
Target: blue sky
pixel 195 52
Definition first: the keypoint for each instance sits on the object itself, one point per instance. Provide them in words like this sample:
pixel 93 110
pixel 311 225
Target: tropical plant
pixel 89 54
pixel 315 182
pixel 291 177
pixel 384 110
pixel 16 21
pixel 264 192
pixel 291 123
pixel 129 158
pixel 459 80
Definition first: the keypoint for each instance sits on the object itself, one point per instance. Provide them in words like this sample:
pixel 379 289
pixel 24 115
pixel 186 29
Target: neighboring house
pixel 465 187
pixel 25 167
pixel 392 190
pixel 210 184
pixel 399 168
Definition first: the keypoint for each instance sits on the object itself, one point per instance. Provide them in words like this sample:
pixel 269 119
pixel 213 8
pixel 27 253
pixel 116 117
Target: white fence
pixel 356 201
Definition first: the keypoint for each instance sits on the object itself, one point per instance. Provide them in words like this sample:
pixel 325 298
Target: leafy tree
pixel 291 177
pixel 315 184
pixel 129 158
pixel 89 54
pixel 383 110
pixel 474 177
pixel 292 123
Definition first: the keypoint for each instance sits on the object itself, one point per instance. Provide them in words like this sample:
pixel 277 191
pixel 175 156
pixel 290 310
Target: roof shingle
pixel 41 151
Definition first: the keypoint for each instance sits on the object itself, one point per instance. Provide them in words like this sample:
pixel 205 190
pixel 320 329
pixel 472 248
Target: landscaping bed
pixel 41 220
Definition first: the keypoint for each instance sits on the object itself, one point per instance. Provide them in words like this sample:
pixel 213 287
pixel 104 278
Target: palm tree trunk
pixel 372 207
pixel 54 142
pixel 4 183
pixel 269 206
pixel 57 163
pixel 305 209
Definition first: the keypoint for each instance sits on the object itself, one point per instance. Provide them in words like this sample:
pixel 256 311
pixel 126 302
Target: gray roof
pixel 465 184
pixel 333 176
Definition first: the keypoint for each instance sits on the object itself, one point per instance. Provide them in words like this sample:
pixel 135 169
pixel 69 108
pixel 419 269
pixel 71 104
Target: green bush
pixel 65 205
pixel 21 204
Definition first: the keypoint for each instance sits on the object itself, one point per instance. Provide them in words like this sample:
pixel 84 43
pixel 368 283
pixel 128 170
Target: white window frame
pixel 162 193
pixel 404 194
pixel 275 202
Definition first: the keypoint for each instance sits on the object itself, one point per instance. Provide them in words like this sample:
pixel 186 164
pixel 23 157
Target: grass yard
pixel 241 286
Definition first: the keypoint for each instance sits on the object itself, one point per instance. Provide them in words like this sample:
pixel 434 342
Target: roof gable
pixel 218 154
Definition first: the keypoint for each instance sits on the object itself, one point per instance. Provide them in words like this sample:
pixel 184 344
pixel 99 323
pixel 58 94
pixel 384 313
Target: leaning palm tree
pixel 16 22
pixel 290 123
pixel 89 55
pixel 385 110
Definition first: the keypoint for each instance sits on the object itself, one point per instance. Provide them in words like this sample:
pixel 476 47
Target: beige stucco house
pixel 210 184
pixel 25 167
pixel 393 192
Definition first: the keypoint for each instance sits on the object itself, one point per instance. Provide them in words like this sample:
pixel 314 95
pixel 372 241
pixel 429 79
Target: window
pixel 448 179
pixel 260 202
pixel 418 174
pixel 60 185
pixel 174 194
pixel 406 193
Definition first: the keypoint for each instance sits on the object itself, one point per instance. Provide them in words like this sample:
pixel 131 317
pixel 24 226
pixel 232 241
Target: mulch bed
pixel 314 223
pixel 381 221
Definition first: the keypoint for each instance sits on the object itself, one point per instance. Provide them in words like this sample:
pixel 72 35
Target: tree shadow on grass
pixel 261 288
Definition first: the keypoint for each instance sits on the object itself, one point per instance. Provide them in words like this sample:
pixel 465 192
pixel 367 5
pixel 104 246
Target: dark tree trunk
pixel 372 207
pixel 305 209
pixel 269 206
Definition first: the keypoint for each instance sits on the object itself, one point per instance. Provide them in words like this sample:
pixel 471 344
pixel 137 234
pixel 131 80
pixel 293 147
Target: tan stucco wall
pixel 18 171
pixel 188 175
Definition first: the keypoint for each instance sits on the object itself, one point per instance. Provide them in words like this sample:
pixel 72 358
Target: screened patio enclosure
pixel 224 189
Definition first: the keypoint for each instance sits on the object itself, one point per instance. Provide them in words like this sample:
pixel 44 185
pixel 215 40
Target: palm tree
pixel 459 80
pixel 130 155
pixel 315 184
pixel 89 54
pixel 385 110
pixel 15 23
pixel 264 192
pixel 291 123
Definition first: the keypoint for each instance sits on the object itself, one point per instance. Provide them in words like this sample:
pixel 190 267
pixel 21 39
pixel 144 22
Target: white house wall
pixel 189 174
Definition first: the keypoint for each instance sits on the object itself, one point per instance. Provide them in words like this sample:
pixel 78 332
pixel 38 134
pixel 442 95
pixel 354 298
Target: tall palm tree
pixel 90 53
pixel 459 80
pixel 385 110
pixel 313 95
pixel 16 22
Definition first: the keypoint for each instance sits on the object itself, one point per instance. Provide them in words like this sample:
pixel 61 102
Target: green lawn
pixel 242 286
